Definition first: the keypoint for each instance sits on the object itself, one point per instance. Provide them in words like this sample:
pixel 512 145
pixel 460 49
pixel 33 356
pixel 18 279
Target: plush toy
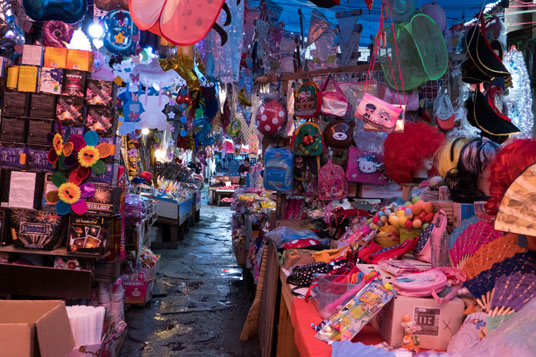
pixel 410 341
pixel 153 117
pixel 408 155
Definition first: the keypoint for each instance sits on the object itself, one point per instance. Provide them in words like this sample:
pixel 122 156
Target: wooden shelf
pixel 58 252
pixel 26 280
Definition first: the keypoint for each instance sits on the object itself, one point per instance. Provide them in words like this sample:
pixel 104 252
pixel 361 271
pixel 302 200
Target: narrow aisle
pixel 201 299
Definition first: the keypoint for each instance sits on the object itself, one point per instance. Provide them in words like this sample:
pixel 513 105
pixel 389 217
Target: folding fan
pixel 481 286
pixel 475 236
pixel 517 212
pixel 494 252
pixel 181 22
pixel 512 292
pixel 459 230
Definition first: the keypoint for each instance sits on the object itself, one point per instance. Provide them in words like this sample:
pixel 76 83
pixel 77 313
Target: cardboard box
pixel 28 76
pixel 50 80
pixel 438 323
pixel 32 55
pixel 55 57
pixel 79 60
pixel 462 211
pixel 34 328
pixel 377 191
pixel 74 83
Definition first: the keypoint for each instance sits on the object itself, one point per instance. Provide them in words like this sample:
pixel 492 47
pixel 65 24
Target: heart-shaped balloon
pixel 69 11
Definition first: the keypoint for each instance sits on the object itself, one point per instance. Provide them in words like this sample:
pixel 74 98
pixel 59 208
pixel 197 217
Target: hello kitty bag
pixel 365 167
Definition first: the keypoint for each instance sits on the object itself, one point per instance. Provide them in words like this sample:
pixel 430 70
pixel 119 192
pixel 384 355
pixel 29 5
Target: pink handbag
pixel 429 283
pixel 374 111
pixel 434 232
pixel 334 103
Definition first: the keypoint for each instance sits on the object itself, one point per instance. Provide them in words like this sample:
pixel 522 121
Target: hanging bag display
pixel 307 100
pixel 278 173
pixel 371 109
pixel 332 183
pixel 339 134
pixel 334 103
pixel 307 140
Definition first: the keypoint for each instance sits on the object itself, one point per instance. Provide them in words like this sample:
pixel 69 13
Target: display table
pixel 216 195
pixel 173 215
pixel 302 315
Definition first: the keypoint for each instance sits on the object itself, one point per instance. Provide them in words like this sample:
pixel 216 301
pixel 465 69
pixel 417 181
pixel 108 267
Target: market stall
pixel 378 157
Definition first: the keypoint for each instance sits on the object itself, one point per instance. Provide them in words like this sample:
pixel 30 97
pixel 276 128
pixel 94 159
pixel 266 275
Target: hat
pixel 482 114
pixel 486 64
pixel 144 177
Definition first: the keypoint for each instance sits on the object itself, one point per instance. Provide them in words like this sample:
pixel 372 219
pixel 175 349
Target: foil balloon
pixel 180 22
pixel 204 128
pixel 121 33
pixel 10 34
pixel 185 66
pixel 69 11
pixel 111 5
pixel 57 33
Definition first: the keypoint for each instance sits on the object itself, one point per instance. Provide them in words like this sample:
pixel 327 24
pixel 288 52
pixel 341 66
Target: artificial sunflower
pixel 89 157
pixel 69 196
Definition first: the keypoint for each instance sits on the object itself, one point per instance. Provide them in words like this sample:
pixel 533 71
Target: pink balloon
pixel 57 33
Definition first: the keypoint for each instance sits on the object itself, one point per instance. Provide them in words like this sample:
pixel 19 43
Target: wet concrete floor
pixel 201 298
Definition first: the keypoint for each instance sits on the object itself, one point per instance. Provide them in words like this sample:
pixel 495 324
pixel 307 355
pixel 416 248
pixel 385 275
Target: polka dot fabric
pixel 302 275
pixel 271 117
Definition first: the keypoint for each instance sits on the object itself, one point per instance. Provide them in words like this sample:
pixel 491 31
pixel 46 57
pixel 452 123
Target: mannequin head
pixel 468 181
pixel 409 154
pixel 508 165
pixel 446 157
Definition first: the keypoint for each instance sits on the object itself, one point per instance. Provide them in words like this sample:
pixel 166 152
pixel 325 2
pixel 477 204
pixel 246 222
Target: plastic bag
pixel 284 234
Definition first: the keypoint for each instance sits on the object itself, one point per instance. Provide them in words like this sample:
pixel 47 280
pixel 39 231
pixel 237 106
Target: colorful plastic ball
pixel 408 224
pixel 415 199
pixel 409 212
pixel 429 217
pixel 383 219
pixel 375 219
pixel 381 214
pixel 417 224
pixel 388 212
pixel 393 219
pixel 428 207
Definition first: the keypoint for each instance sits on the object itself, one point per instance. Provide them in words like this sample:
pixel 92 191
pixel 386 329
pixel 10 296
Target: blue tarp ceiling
pixel 457 11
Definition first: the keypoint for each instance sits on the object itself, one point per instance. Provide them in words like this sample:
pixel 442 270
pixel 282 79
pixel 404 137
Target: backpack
pixel 307 140
pixel 307 100
pixel 278 169
pixel 332 184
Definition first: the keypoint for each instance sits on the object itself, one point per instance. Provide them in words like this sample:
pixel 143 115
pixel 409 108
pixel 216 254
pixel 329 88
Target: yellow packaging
pixel 12 77
pixel 28 79
pixel 80 60
pixel 55 57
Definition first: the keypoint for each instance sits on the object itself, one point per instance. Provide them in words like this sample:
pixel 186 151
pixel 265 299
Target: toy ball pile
pixel 412 215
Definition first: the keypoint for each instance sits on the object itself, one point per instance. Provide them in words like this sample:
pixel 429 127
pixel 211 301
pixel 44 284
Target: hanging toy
pixel 121 33
pixel 185 66
pixel 69 11
pixel 57 33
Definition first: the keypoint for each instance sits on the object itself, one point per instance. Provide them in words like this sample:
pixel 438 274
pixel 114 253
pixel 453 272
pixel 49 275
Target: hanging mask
pixel 121 33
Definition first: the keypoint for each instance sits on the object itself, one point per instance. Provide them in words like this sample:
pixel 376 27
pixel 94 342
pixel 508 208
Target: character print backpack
pixel 307 140
pixel 332 184
pixel 307 100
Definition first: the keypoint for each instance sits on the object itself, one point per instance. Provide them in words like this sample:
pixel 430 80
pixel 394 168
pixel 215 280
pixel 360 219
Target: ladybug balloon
pixel 121 33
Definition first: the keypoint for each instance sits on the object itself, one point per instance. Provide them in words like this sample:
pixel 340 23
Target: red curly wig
pixel 405 151
pixel 507 166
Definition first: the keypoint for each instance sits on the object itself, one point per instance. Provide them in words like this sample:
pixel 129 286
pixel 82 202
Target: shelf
pixel 44 281
pixel 59 252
